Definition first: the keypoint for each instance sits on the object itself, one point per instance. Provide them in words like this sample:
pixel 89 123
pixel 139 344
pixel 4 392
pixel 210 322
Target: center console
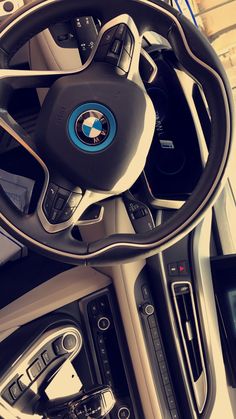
pixel 86 333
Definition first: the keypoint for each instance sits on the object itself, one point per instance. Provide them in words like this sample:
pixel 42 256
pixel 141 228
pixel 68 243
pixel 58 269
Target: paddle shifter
pixel 94 404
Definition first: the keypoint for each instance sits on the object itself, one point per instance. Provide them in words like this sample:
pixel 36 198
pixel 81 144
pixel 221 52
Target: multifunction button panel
pixel 45 357
pixel 60 204
pixel 155 346
pixel 116 47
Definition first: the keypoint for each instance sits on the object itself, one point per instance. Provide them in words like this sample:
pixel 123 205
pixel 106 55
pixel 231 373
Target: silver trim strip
pixel 81 223
pixel 200 387
pixel 219 404
pixel 187 84
pixel 152 64
pixel 177 234
pixel 158 202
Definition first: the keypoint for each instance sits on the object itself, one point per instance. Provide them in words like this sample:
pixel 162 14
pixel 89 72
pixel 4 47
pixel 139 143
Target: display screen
pixel 224 280
pixel 232 303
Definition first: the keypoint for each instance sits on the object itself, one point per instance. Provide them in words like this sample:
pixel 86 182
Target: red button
pixel 183 268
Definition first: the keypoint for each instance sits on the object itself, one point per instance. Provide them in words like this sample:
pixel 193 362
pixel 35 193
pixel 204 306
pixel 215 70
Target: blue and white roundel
pixel 92 127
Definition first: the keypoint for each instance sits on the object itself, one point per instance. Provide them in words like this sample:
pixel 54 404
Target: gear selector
pixel 94 404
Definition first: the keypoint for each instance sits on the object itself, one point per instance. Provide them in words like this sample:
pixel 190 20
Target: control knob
pixel 103 323
pixel 147 309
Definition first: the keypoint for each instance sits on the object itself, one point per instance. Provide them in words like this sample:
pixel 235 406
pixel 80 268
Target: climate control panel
pixel 108 344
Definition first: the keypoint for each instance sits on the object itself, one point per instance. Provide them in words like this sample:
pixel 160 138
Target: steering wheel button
pixel 49 198
pixel 128 43
pixel 116 47
pixel 66 214
pixel 101 52
pixel 124 62
pixel 54 216
pixel 121 31
pixel 60 202
pixel 108 36
pixel 112 58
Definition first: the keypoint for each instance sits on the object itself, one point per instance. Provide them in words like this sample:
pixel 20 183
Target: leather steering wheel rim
pixel 197 57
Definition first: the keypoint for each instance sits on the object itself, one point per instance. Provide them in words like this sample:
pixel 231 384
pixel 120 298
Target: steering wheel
pixel 96 125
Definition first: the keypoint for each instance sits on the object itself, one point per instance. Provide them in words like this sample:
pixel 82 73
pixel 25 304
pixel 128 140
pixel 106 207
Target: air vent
pixel 189 331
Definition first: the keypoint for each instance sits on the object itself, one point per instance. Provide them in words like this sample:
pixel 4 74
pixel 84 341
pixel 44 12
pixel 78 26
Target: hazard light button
pixel 183 268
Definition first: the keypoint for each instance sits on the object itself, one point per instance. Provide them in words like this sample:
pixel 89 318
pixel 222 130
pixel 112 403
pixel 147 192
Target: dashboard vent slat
pixel 190 337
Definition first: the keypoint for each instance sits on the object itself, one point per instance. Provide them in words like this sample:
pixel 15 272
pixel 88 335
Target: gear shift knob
pixel 95 404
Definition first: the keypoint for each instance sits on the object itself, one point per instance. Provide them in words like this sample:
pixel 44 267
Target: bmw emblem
pixel 92 127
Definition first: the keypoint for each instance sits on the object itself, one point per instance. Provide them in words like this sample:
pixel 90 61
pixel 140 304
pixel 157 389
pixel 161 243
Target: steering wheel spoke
pixel 10 125
pixel 20 79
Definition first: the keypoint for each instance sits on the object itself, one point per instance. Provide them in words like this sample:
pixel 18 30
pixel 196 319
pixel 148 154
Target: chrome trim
pixel 177 234
pixel 200 387
pixel 21 365
pixel 81 223
pixel 158 202
pixel 152 63
pixel 187 84
pixel 225 215
pixel 219 403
